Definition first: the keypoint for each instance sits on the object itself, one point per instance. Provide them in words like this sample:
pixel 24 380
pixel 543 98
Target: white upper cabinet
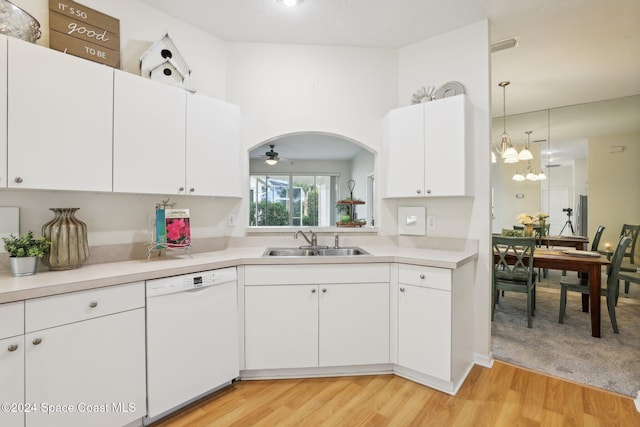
pixel 212 147
pixel 148 136
pixel 59 120
pixel 3 111
pixel 426 149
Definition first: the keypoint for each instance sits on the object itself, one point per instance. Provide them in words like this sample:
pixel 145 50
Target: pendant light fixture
pixel 507 151
pixel 518 176
pixel 525 154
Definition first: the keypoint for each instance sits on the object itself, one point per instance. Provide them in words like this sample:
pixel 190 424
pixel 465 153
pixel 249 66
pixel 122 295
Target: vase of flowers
pixel 527 220
pixel 542 220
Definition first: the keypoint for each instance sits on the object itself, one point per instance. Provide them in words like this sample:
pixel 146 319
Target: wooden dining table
pixel 557 259
pixel 578 242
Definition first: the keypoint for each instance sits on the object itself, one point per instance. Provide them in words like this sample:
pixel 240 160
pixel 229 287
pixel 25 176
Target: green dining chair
pixel 513 270
pixel 581 285
pixel 631 231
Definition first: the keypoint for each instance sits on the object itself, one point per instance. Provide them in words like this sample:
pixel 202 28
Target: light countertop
pixel 46 283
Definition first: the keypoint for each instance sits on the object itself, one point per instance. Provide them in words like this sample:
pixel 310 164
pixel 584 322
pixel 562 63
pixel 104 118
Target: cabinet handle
pixel 313 291
pixel 37 341
pixel 93 304
pixel 181 189
pixel 428 191
pixel 418 191
pixel 13 347
pixel 401 289
pixel 18 180
pixel 191 190
pixel 422 276
pixel 324 290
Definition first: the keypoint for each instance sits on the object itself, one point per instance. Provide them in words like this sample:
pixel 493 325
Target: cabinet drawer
pixel 57 310
pixel 429 277
pixel 11 319
pixel 315 274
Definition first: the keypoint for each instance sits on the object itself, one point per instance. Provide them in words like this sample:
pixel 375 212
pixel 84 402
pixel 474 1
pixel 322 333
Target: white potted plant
pixel 24 251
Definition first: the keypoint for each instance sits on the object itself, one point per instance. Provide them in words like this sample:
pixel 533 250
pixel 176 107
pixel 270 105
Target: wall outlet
pixel 231 220
pixel 431 222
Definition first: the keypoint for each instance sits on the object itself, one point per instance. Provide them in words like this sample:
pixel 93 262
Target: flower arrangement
pixel 527 219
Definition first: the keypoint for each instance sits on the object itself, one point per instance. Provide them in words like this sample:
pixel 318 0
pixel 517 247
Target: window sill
pixel 287 230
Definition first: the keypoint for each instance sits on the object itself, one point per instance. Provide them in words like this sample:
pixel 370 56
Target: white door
pixel 354 324
pixel 3 110
pixel 148 136
pixel 281 326
pixel 445 157
pixel 213 147
pixel 12 381
pixel 60 120
pixel 424 330
pixel 96 367
pixel 404 152
pixel 553 201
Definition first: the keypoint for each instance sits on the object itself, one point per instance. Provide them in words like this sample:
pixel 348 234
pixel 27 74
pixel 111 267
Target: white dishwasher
pixel 192 338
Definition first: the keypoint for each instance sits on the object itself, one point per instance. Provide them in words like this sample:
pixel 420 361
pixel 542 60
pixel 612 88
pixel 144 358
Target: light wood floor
pixel 502 396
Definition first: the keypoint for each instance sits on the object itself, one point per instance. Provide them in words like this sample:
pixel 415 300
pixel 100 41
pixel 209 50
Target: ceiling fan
pixel 271 156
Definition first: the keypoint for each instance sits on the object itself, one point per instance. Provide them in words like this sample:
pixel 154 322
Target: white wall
pixel 461 55
pixel 140 27
pixel 284 89
pixel 614 180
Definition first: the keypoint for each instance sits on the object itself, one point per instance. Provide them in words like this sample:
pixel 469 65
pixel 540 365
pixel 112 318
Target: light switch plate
pixel 411 220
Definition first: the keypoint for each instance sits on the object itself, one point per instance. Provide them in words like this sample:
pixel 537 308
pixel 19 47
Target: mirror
pixel 302 183
pixel 590 150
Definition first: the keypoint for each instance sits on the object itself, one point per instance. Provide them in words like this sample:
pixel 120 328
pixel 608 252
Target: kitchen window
pixel 293 200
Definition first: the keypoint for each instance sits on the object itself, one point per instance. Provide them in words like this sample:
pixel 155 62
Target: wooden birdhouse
pixel 163 62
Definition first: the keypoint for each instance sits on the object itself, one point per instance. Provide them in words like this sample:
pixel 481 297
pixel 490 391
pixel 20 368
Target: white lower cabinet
pixel 435 325
pixel 91 371
pixel 315 319
pixel 424 332
pixel 281 326
pixel 12 364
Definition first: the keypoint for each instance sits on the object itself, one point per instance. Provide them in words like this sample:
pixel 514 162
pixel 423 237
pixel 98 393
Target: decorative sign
pixel 80 31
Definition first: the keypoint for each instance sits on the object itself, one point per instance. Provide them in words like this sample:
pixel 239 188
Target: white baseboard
pixel 485 360
pixel 637 402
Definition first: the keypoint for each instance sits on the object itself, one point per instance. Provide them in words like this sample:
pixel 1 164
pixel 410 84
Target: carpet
pixel 568 350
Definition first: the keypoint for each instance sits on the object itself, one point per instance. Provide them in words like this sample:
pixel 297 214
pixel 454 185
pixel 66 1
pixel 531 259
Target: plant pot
pixel 23 266
pixel 345 218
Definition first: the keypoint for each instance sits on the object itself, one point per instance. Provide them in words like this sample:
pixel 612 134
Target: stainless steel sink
pixel 342 252
pixel 304 252
pixel 290 252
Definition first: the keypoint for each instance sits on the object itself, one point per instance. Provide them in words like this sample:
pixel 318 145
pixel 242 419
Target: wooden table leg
pixel 585 297
pixel 594 291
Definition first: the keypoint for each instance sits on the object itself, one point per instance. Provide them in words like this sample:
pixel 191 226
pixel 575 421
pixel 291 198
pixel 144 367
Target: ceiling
pixel 569 52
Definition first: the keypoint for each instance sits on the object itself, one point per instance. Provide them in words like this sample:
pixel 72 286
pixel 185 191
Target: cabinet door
pixel 424 330
pixel 3 110
pixel 12 381
pixel 213 147
pixel 445 147
pixel 404 152
pixel 148 136
pixel 95 367
pixel 60 111
pixel 281 326
pixel 354 324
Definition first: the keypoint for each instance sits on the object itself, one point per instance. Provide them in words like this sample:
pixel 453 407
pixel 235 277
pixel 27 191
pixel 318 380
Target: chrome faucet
pixel 314 239
pixel 336 243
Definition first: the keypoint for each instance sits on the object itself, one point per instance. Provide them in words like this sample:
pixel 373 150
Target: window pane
pixel 270 200
pixel 300 200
